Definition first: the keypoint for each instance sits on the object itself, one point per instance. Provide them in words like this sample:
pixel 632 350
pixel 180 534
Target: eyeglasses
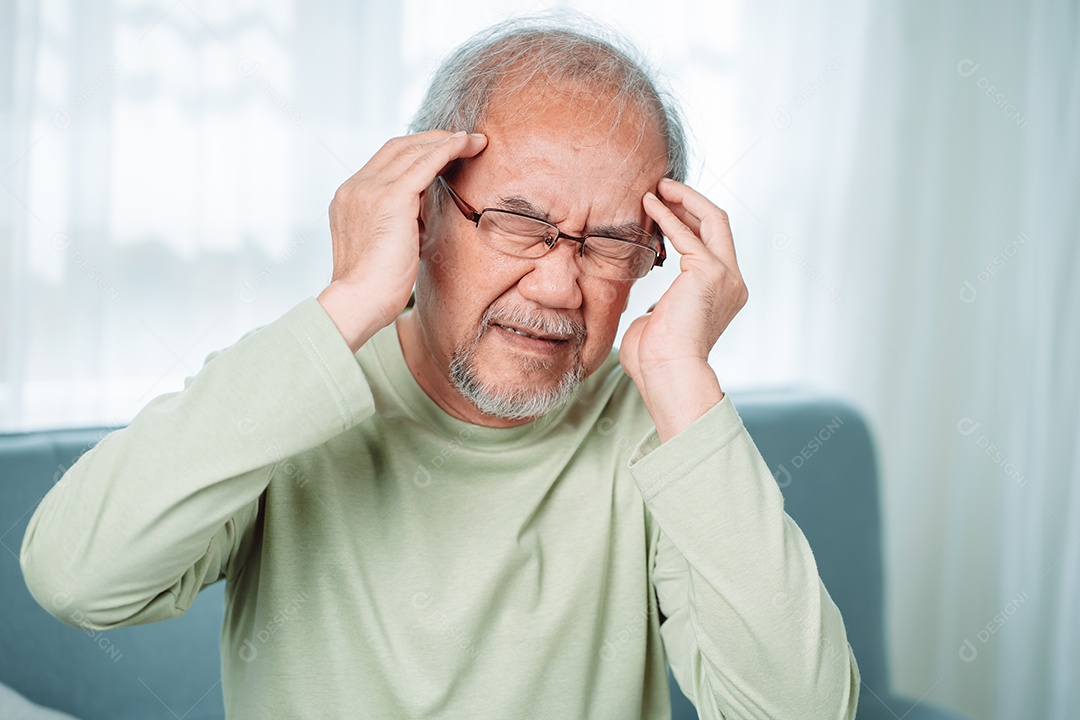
pixel 525 236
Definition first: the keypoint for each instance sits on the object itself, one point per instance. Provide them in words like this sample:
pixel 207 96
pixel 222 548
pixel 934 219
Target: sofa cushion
pixel 160 670
pixel 14 706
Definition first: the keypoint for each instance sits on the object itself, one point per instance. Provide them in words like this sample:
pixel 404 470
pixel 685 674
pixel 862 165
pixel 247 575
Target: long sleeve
pixel 750 631
pixel 157 511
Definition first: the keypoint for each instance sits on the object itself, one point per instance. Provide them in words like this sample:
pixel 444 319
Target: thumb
pixel 628 349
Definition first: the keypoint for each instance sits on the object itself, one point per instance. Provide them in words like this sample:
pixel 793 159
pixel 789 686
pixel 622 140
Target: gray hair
pixel 561 46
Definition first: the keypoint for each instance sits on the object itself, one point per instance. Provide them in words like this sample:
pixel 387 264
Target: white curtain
pixel 908 211
pixel 903 180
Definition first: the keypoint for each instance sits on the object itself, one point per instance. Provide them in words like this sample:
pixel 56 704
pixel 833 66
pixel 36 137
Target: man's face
pixel 565 159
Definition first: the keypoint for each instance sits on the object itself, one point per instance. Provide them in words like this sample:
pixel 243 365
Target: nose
pixel 553 280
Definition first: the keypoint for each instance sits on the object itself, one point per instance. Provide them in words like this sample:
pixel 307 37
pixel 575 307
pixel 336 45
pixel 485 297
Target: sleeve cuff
pixel 332 358
pixel 657 466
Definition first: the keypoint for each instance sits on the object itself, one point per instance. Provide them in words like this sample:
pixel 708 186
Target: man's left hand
pixel 666 351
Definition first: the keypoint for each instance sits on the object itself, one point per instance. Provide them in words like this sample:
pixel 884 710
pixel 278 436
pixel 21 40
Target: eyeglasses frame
pixel 472 215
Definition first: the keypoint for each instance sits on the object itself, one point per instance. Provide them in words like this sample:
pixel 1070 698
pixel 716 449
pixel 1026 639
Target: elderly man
pixel 475 508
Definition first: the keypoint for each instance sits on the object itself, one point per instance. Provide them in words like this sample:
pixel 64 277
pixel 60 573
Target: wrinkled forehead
pixel 565 147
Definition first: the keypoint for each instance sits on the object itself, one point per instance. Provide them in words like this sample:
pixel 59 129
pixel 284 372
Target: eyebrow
pixel 625 231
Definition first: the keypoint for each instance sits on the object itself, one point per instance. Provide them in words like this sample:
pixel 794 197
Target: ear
pixel 423 223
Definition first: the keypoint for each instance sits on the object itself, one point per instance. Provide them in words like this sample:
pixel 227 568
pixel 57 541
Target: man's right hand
pixel 374 228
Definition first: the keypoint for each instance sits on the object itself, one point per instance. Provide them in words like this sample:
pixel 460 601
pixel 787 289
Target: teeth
pixel 515 330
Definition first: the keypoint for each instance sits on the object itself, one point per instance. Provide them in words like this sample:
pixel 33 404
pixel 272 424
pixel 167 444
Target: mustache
pixel 538 322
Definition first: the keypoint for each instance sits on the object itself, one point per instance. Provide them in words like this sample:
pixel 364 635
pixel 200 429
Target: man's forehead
pixel 533 170
pixel 604 198
pixel 568 156
pixel 596 126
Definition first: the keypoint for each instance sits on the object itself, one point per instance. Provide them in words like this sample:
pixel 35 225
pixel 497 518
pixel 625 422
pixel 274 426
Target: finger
pixel 688 219
pixel 682 237
pixel 715 226
pixel 408 153
pixel 437 156
pixel 393 148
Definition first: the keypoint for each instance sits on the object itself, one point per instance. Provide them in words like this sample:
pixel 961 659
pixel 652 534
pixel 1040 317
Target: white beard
pixel 517 402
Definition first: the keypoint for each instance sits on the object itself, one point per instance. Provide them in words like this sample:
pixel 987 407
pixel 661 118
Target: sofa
pixel 820 450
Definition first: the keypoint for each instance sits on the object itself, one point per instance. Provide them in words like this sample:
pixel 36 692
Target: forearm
pixel 738 582
pixel 131 519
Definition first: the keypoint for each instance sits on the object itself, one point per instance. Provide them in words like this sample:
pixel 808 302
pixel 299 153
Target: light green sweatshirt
pixel 385 560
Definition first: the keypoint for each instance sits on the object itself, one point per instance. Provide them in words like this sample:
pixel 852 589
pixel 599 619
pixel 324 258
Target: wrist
pixel 352 313
pixel 678 393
